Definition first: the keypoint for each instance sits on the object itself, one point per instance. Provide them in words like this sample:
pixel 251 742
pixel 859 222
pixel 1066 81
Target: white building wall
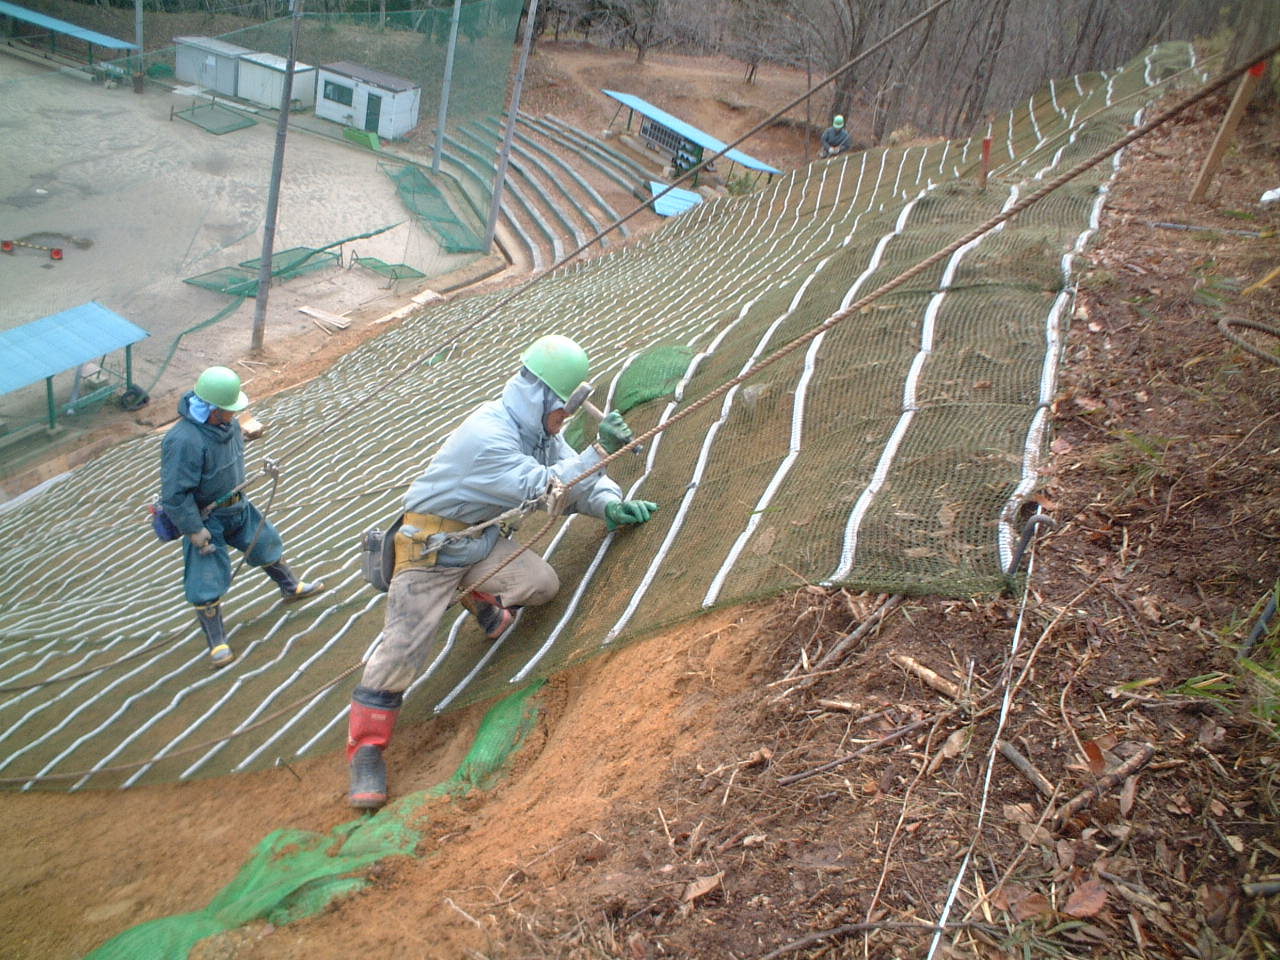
pixel 397 116
pixel 263 82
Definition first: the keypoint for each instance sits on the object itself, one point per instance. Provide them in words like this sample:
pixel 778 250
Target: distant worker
pixel 505 453
pixel 201 475
pixel 835 139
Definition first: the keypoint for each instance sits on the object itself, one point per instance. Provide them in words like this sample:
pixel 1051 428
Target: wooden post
pixel 1244 92
pixel 986 163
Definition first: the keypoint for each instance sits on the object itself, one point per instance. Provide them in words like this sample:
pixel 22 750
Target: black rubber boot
pixel 371 723
pixel 291 588
pixel 215 634
pixel 368 778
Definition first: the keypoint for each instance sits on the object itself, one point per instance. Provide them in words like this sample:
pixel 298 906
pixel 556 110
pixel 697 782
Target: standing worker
pixel 835 139
pixel 201 474
pixel 506 453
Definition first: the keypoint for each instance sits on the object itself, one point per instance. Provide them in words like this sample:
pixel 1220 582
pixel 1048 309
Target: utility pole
pixel 273 193
pixel 137 38
pixel 448 82
pixel 501 175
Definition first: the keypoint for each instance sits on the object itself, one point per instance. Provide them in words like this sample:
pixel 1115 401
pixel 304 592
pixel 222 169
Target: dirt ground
pixel 773 780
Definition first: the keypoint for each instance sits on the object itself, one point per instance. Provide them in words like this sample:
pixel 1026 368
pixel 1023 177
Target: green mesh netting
pixel 654 373
pixel 215 118
pixel 297 873
pixel 425 201
pixel 393 271
pixel 242 280
pixel 891 452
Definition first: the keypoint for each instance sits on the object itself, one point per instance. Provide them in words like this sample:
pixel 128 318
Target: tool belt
pixel 411 548
pixel 230 500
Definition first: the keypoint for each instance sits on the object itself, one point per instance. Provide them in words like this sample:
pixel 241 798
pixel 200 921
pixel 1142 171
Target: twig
pixel 1026 768
pixel 883 741
pixel 930 677
pixel 1264 888
pixel 837 652
pixel 848 928
pixel 1092 792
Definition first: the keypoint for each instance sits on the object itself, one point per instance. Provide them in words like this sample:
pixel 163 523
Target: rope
pixel 831 321
pixel 1225 325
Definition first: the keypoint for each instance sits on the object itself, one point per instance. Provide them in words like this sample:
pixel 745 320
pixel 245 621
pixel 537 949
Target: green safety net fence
pixel 242 280
pixel 426 202
pixel 392 271
pixel 893 452
pixel 215 118
pixel 294 874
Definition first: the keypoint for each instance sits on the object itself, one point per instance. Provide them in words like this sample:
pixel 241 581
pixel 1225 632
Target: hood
pixel 221 432
pixel 528 400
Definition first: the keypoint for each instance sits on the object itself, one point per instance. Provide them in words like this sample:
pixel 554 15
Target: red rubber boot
pixel 368 734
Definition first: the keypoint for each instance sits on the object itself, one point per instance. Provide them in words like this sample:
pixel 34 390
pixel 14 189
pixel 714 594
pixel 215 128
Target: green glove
pixel 614 434
pixel 625 512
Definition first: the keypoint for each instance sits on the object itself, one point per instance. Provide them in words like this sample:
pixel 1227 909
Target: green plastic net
pixel 297 873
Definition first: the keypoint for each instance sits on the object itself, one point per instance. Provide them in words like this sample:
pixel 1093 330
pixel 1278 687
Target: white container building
pixel 367 99
pixel 262 80
pixel 209 63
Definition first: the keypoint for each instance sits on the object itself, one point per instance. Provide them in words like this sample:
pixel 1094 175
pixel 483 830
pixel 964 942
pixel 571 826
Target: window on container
pixel 338 93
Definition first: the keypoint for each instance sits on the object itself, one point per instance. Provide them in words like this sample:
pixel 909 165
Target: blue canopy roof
pixel 60 342
pixel 704 140
pixel 61 26
pixel 674 200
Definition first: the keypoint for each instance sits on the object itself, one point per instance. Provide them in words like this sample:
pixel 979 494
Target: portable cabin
pixel 367 99
pixel 262 80
pixel 213 64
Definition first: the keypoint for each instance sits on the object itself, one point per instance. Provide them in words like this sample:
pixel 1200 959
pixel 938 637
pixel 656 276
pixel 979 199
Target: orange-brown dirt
pixel 668 804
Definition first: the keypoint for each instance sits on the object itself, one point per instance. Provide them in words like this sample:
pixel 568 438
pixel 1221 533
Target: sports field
pixel 139 200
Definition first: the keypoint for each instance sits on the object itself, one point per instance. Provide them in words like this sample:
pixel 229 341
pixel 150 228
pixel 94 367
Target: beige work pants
pixel 419 597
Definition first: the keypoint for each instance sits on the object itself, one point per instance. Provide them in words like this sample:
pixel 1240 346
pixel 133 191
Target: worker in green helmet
pixel 201 473
pixel 509 451
pixel 835 139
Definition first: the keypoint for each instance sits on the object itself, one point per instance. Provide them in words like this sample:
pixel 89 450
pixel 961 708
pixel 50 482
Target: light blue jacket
pixel 501 455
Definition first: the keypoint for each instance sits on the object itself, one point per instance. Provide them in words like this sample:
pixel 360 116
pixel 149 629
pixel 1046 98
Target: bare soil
pixel 715 793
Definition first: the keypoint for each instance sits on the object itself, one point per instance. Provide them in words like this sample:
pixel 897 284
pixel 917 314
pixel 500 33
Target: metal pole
pixel 137 38
pixel 273 193
pixel 448 82
pixel 501 175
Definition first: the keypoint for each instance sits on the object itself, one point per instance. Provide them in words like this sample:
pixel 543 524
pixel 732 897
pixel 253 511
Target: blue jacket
pixel 199 464
pixel 501 455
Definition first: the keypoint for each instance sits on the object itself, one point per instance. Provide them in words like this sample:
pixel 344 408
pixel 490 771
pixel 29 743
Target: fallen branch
pixel 836 653
pixel 1026 768
pixel 930 677
pixel 1092 792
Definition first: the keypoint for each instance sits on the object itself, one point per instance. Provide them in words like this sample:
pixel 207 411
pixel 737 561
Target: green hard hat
pixel 838 121
pixel 220 387
pixel 558 362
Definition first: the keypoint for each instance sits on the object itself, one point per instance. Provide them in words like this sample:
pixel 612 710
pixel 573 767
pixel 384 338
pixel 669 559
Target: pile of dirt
pixel 807 776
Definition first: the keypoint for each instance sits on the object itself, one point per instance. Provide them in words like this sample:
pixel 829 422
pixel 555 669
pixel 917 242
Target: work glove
pixel 202 539
pixel 614 434
pixel 624 512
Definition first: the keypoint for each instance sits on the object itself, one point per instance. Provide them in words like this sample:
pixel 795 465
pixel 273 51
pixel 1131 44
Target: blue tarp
pixel 41 348
pixel 61 26
pixel 704 140
pixel 675 201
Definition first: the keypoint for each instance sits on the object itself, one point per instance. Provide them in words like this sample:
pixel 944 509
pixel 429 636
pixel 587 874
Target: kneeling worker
pixel 201 473
pixel 507 452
